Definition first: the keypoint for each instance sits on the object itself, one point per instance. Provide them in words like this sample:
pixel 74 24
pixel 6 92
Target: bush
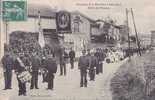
pixel 128 84
pixel 135 80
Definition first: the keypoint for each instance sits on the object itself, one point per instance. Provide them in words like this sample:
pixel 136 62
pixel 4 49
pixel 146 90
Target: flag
pixel 63 22
pixel 41 38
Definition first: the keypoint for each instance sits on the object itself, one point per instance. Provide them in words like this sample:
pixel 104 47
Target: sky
pixel 144 10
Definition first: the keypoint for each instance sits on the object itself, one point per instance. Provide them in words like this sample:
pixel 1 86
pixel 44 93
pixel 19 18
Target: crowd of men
pixel 28 67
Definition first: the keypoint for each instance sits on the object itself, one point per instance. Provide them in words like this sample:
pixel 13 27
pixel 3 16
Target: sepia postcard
pixel 77 50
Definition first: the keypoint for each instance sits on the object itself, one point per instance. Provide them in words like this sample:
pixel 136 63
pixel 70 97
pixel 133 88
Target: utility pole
pixel 127 23
pixel 138 42
pixel 1 28
pixel 4 23
pixel 6 31
pixel 1 31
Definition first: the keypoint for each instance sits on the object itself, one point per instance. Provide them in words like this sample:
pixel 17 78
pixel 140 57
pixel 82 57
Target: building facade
pixel 145 40
pixel 153 38
pixel 124 30
pixel 80 31
pixel 104 31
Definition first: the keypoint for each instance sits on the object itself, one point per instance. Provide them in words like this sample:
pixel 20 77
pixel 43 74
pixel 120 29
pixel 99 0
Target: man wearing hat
pixel 83 66
pixel 51 67
pixel 36 64
pixel 97 55
pixel 7 62
pixel 72 56
pixel 92 64
pixel 63 61
pixel 19 67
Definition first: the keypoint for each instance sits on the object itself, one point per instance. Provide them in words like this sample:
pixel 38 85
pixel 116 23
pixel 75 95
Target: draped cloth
pixel 41 38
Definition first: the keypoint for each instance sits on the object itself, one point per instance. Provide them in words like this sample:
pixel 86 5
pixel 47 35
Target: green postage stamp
pixel 14 10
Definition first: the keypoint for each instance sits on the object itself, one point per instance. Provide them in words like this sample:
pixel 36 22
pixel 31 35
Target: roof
pixel 77 12
pixel 100 20
pixel 45 11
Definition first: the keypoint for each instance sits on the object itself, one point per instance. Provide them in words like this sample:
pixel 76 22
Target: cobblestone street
pixel 67 87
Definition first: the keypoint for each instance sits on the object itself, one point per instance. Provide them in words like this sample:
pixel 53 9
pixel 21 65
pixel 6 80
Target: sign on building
pixel 14 10
pixel 63 22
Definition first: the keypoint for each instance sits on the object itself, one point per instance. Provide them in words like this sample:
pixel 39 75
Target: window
pixel 76 27
pixel 77 22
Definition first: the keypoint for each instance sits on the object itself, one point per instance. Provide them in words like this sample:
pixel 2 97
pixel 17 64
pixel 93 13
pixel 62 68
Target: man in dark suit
pixel 72 56
pixel 92 64
pixel 7 62
pixel 36 64
pixel 51 67
pixel 19 67
pixel 63 61
pixel 98 56
pixel 83 66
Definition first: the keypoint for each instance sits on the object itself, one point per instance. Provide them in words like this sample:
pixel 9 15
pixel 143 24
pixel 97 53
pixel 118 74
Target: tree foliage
pixel 135 80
